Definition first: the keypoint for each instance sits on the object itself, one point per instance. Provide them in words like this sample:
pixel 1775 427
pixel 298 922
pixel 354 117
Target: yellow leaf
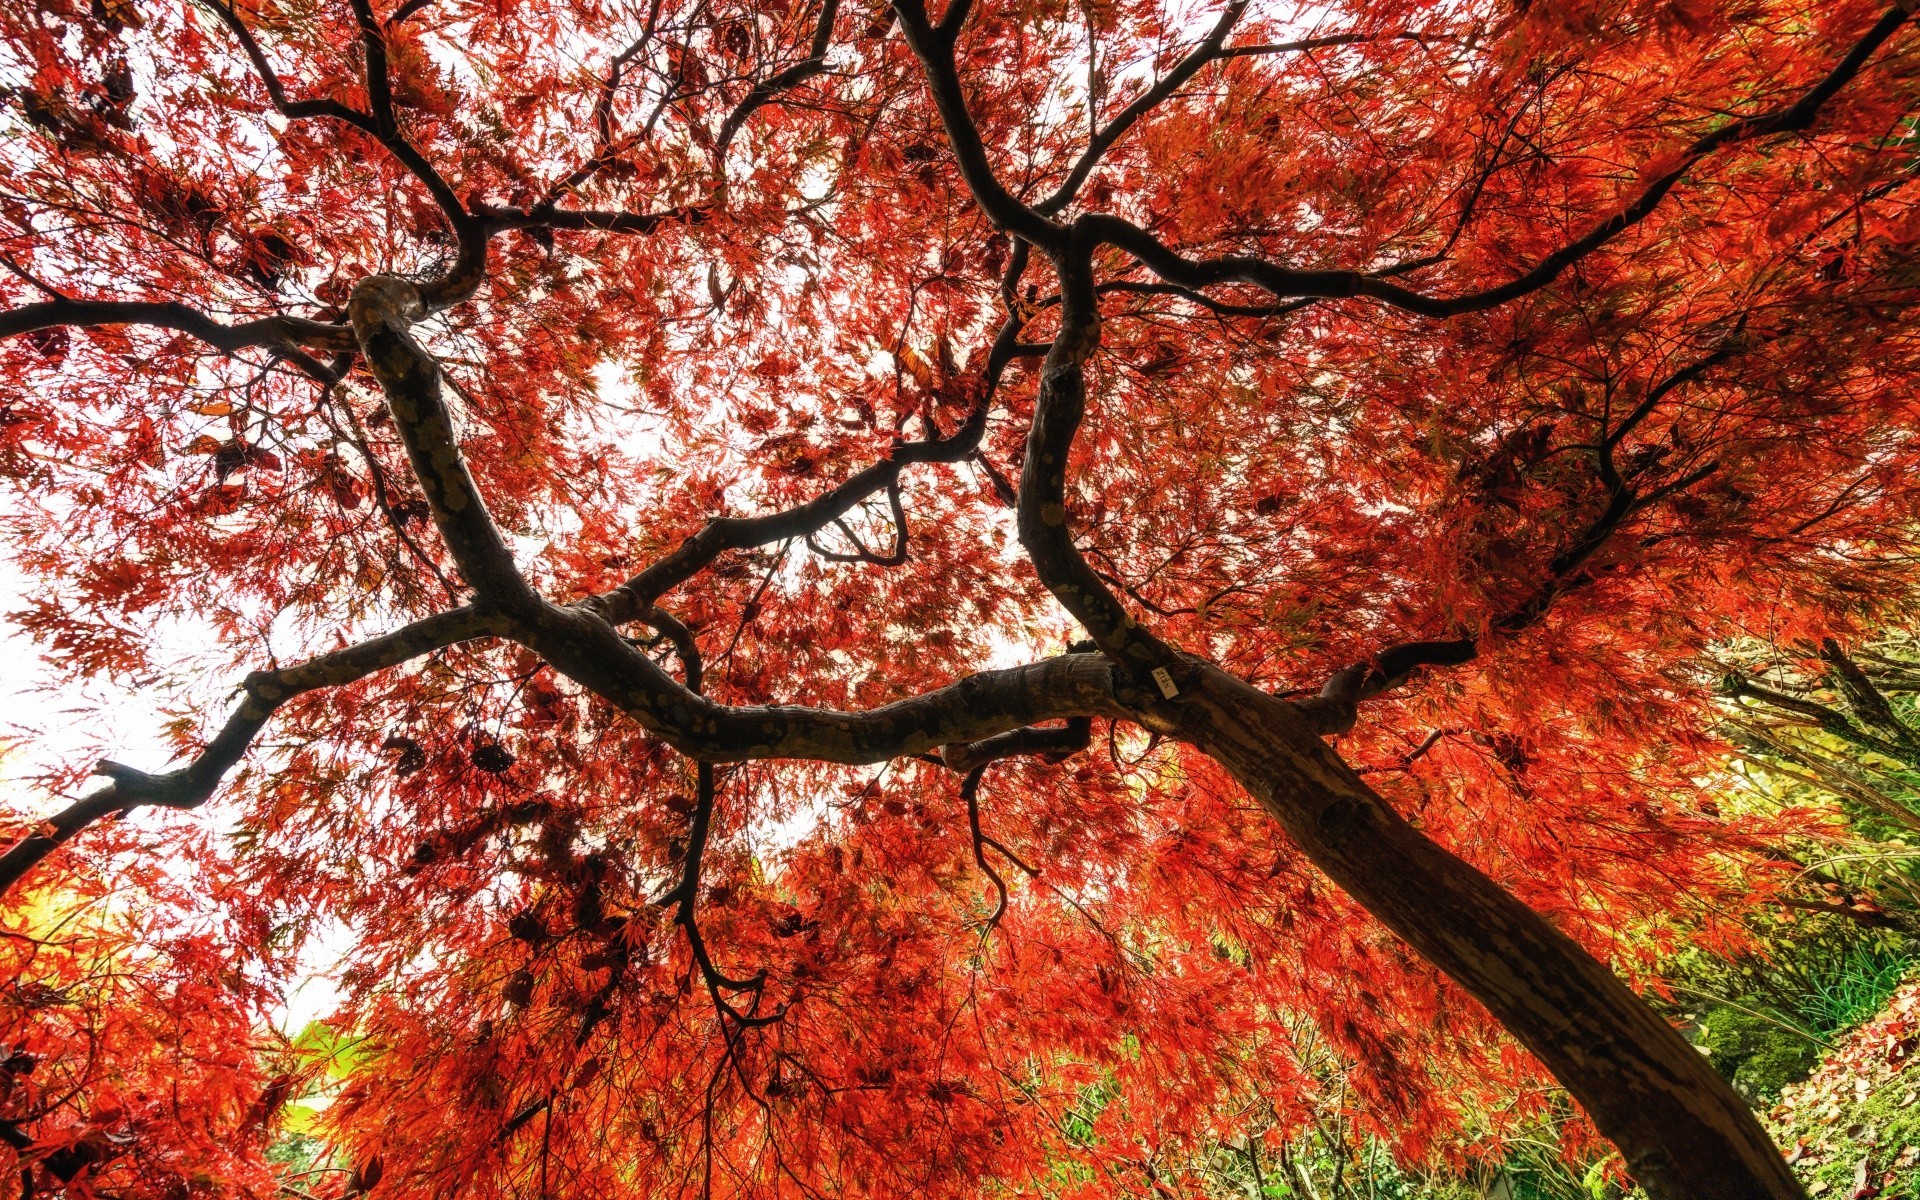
pixel 917 365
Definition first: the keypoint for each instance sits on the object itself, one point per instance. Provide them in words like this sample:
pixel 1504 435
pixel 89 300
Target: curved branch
pixel 1832 720
pixel 1863 698
pixel 1219 307
pixel 603 114
pixel 721 534
pixel 1207 51
pixel 1042 510
pixel 190 786
pixel 581 641
pixel 587 649
pixel 684 897
pixel 1336 709
pixel 1052 744
pixel 970 794
pixel 766 93
pixel 894 558
pixel 470 267
pixel 293 110
pixel 933 46
pixel 676 632
pixel 383 309
pixel 1286 282
pixel 281 333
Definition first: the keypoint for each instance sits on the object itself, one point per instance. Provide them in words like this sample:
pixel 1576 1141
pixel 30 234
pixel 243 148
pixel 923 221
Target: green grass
pixel 1856 989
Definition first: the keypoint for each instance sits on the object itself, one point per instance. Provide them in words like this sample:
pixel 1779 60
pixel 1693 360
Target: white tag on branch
pixel 1165 680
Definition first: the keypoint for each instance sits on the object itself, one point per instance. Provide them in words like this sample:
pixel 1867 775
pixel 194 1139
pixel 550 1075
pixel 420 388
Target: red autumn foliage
pixel 1472 366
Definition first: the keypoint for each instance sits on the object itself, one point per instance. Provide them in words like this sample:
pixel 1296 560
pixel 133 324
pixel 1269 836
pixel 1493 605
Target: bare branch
pixel 1052 744
pixel 1863 697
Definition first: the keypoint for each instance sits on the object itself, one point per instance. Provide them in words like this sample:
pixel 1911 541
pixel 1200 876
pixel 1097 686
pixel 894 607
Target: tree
pixel 632 432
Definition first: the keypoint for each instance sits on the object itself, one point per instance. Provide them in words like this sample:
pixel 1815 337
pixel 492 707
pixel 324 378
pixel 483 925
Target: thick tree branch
pixel 1051 742
pixel 1042 512
pixel 1681 1129
pixel 383 309
pixel 588 649
pixel 494 218
pixel 1218 307
pixel 582 642
pixel 1864 698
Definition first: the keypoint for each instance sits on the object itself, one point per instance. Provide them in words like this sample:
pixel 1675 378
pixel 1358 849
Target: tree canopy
pixel 873 600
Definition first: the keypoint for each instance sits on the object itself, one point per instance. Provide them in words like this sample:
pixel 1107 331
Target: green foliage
pixel 1079 1120
pixel 1758 1053
pixel 297 1154
pixel 1866 978
pixel 1764 1019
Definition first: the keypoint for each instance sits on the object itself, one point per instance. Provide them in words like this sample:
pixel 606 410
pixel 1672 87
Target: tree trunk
pixel 1683 1131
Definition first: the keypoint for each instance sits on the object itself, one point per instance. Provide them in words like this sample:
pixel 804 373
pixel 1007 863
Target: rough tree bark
pixel 1682 1130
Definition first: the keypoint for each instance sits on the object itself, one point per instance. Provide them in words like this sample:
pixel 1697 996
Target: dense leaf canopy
pixel 1516 353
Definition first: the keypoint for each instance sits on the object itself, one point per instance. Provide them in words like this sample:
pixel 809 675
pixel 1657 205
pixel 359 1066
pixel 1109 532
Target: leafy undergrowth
pixel 1765 1021
pixel 1852 1129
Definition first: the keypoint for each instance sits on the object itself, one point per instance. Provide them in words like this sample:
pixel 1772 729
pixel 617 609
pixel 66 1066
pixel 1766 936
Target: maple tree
pixel 634 435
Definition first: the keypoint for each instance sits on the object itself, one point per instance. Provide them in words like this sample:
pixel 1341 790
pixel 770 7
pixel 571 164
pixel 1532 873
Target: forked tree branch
pixel 470 268
pixel 893 558
pixel 1207 51
pixel 1336 708
pixel 933 46
pixel 722 534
